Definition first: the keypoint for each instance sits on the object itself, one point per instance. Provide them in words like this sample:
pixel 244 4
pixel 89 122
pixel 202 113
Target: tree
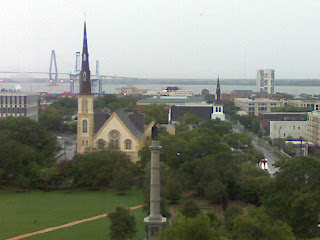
pixel 294 195
pixel 252 182
pixel 197 228
pixel 190 209
pixel 190 118
pixel 114 102
pixel 155 112
pixel 173 189
pixel 216 192
pixel 255 224
pixel 52 119
pixel 96 169
pixel 25 148
pixel 229 108
pixel 122 179
pixel 123 224
pixel 230 214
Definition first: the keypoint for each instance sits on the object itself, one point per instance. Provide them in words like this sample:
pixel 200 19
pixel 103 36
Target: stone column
pixel 155 221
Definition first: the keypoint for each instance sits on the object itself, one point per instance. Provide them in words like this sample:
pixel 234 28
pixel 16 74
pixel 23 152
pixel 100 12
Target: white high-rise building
pixel 265 80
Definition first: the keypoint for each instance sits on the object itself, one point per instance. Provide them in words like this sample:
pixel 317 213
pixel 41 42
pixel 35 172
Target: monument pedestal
pixel 154 226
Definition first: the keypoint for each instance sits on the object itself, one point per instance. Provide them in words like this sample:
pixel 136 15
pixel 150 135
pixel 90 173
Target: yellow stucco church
pixel 95 131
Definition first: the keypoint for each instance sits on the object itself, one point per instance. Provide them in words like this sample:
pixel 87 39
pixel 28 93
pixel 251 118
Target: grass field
pixel 28 212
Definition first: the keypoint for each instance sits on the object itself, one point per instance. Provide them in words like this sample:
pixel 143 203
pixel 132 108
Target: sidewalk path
pixel 50 229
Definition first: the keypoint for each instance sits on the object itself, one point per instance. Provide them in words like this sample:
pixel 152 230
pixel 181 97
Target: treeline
pixel 210 161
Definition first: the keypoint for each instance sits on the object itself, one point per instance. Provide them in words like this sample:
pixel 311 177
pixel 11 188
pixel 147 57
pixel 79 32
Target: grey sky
pixel 165 38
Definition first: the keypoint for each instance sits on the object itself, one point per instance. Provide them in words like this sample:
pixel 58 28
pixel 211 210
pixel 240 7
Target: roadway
pixel 68 147
pixel 261 145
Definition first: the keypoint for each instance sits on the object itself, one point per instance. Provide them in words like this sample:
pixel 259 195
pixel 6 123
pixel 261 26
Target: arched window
pixel 114 137
pixel 84 76
pixel 101 144
pixel 128 144
pixel 84 126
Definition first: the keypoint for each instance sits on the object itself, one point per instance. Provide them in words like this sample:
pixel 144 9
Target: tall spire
pixel 218 92
pixel 85 83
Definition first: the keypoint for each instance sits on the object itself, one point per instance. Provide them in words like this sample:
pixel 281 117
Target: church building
pixel 95 131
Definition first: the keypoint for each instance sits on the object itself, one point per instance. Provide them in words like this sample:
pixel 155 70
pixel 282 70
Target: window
pixel 84 126
pixel 114 137
pixel 101 144
pixel 128 144
pixel 114 144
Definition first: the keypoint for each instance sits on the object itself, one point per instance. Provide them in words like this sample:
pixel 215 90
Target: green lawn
pixel 27 212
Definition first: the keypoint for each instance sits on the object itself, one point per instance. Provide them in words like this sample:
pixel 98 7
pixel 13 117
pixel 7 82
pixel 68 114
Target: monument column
pixel 155 221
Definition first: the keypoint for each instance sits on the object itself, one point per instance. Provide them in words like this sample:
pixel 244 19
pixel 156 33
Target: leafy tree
pixel 190 209
pixel 229 108
pixel 199 228
pixel 25 147
pixel 257 225
pixel 216 191
pixel 294 196
pixel 173 189
pixel 155 112
pixel 250 122
pixel 52 119
pixel 213 218
pixel 123 224
pixel 209 98
pixel 230 214
pixel 251 183
pixel 114 102
pixel 190 118
pixel 236 140
pixel 122 179
pixel 66 105
pixel 96 169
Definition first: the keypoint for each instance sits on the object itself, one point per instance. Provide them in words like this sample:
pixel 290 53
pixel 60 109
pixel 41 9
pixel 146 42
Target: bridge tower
pixel 55 74
pixel 75 75
pixel 98 77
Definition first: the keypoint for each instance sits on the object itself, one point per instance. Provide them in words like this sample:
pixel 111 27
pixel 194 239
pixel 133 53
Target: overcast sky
pixel 165 38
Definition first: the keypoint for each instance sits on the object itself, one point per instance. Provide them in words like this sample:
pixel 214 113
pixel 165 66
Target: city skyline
pixel 176 39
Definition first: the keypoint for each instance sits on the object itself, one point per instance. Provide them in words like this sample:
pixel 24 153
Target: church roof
pixel 99 119
pixel 135 123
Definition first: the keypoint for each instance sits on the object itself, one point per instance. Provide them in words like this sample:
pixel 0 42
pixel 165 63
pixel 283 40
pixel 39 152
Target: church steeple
pixel 218 92
pixel 85 83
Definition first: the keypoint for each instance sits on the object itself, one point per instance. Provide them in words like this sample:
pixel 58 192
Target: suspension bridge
pixel 71 77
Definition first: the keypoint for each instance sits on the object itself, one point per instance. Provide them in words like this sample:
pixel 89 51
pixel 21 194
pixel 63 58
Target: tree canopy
pixel 123 224
pixel 25 147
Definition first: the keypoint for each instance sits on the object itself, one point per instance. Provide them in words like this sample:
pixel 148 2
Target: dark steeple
pixel 85 83
pixel 218 92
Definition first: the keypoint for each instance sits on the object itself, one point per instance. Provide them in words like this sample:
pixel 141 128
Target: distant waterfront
pixel 111 88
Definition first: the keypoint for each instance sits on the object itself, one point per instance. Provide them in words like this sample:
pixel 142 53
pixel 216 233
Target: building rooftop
pixel 178 112
pixel 171 100
pixel 255 100
pixel 286 113
pixel 15 93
